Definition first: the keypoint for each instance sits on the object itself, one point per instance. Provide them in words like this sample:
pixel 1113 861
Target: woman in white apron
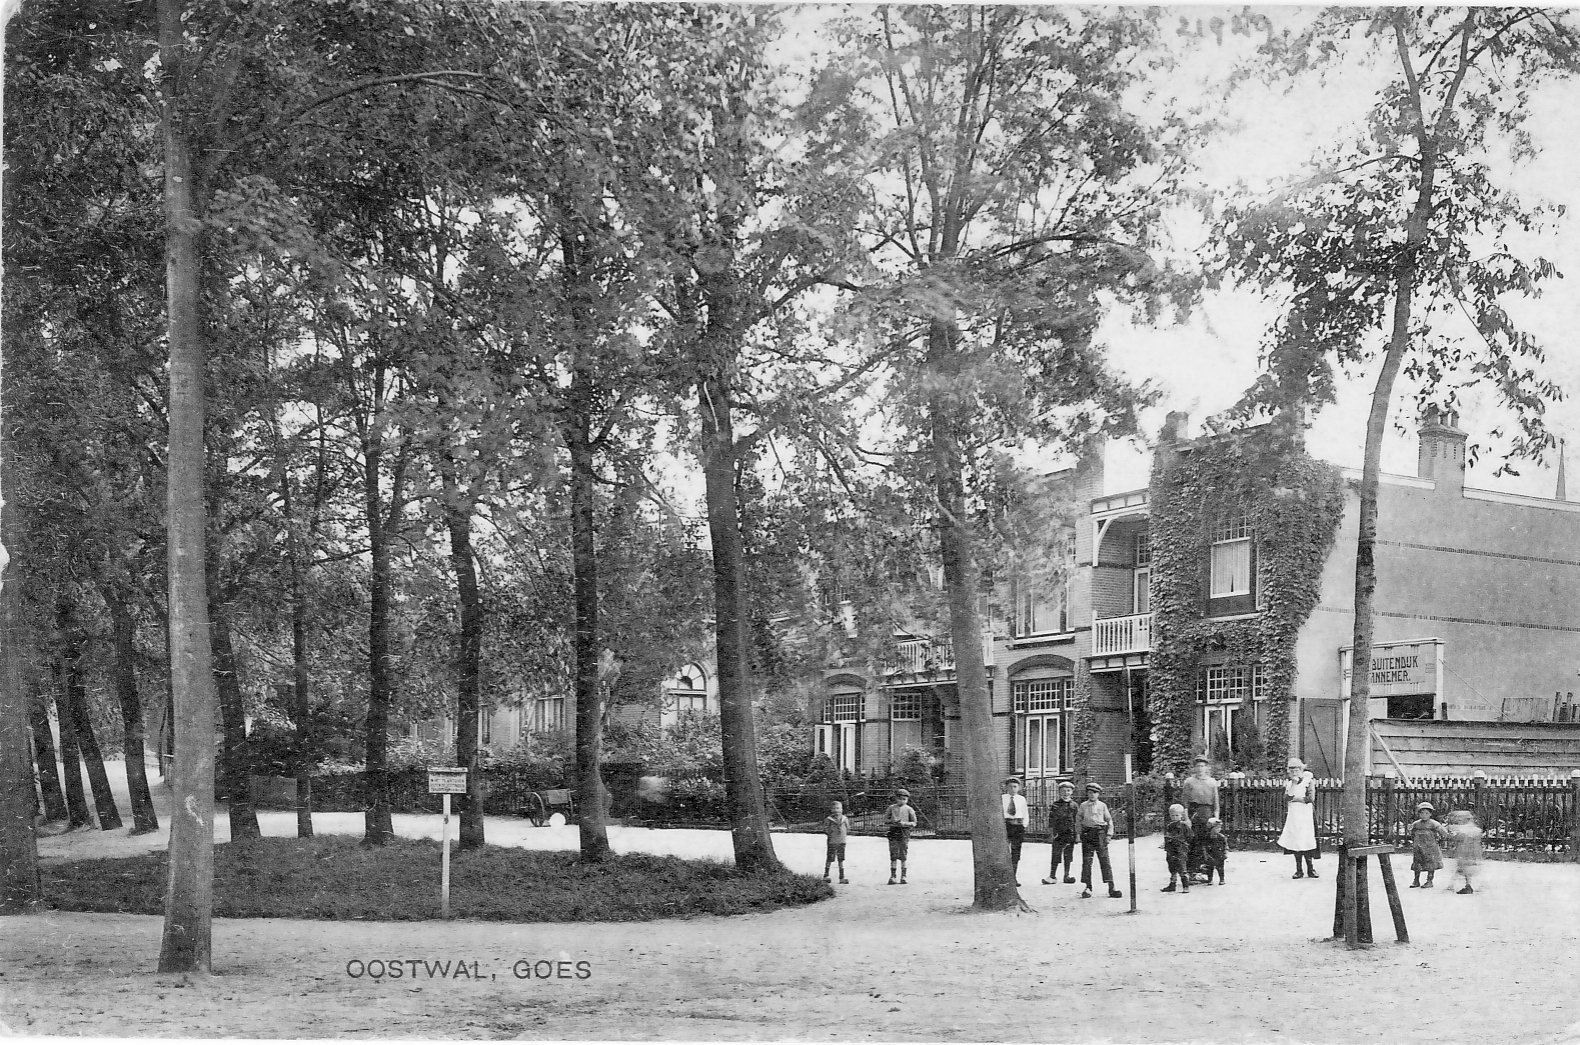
pixel 1300 833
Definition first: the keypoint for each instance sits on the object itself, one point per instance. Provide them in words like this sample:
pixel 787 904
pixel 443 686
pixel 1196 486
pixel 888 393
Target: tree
pixel 1400 243
pixel 1019 197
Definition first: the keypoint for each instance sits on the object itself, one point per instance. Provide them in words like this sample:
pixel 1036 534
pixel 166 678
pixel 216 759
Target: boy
pixel 1015 816
pixel 1177 846
pixel 1096 826
pixel 901 818
pixel 1466 837
pixel 837 827
pixel 1217 849
pixel 1061 832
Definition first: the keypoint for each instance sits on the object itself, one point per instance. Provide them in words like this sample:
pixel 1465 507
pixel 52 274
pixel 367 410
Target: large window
pixel 1231 684
pixel 1231 556
pixel 906 706
pixel 845 707
pixel 548 714
pixel 1044 740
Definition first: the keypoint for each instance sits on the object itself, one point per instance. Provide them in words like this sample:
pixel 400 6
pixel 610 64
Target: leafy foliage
pixel 1294 503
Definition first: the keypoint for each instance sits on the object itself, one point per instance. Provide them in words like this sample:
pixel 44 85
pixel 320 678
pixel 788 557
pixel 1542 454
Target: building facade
pixel 1476 619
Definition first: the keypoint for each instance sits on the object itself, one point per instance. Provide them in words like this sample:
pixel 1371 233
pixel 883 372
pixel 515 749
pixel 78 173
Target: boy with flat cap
pixel 1015 816
pixel 1097 824
pixel 1062 833
pixel 901 818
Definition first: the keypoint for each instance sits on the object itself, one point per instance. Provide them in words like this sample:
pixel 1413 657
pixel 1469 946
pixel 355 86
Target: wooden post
pixel 444 867
pixel 1363 904
pixel 1340 897
pixel 1394 906
pixel 1574 813
pixel 1347 873
pixel 1478 781
pixel 1388 815
pixel 1130 789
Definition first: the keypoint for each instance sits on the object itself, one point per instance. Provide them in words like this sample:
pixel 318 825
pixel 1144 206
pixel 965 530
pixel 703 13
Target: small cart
pixel 538 806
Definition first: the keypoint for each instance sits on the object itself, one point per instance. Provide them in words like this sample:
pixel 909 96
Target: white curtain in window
pixel 1231 568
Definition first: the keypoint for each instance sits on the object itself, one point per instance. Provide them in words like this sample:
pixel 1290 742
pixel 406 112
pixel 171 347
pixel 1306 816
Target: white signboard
pixel 446 781
pixel 1399 668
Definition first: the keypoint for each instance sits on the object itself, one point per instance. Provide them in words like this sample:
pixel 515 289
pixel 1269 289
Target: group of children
pixel 1427 838
pixel 1092 823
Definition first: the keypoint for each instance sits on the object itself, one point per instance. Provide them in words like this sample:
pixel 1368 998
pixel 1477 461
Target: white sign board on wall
pixel 1399 669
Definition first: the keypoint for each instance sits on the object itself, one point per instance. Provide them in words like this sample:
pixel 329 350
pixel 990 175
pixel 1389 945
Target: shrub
pixel 544 759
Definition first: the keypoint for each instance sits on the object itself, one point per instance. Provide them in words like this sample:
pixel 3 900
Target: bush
pixel 916 766
pixel 545 759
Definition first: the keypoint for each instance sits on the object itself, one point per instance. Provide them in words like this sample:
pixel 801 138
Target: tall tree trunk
pixel 589 711
pixel 469 660
pixel 77 812
pixel 994 875
pixel 44 757
pixel 235 787
pixel 21 891
pixel 377 826
pixel 754 847
pixel 144 819
pixel 186 944
pixel 1357 746
pixel 300 710
pixel 73 645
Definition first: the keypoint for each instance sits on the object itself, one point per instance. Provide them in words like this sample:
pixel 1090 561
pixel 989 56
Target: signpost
pixel 1130 788
pixel 446 781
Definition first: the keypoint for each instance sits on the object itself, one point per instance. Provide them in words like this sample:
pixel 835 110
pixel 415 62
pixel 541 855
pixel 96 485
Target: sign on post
pixel 446 781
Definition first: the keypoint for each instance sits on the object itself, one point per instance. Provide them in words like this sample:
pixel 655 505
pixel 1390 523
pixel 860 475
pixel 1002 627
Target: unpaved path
pixel 1245 962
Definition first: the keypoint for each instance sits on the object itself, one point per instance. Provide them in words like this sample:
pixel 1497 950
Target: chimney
pixel 1170 439
pixel 1441 455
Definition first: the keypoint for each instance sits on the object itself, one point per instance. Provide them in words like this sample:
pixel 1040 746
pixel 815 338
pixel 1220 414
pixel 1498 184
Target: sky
pixel 1202 364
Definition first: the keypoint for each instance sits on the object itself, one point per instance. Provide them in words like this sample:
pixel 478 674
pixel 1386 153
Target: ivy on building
pixel 1294 503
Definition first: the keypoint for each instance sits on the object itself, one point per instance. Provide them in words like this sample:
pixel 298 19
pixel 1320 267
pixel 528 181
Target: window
pixel 548 714
pixel 1040 612
pixel 906 706
pixel 845 707
pixel 1231 557
pixel 1044 742
pixel 1231 684
pixel 689 703
pixel 1141 579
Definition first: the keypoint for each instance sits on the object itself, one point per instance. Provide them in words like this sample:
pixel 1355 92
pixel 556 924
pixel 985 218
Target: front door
pixel 845 745
pixel 1321 742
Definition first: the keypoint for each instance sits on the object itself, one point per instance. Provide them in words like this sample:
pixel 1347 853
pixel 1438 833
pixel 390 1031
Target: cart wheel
pixel 536 810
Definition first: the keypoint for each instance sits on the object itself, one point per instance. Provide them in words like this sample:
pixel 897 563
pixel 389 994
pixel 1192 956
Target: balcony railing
pixel 931 657
pixel 1132 634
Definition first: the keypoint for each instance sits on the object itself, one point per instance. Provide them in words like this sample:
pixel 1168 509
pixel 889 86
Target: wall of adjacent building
pixel 1496 577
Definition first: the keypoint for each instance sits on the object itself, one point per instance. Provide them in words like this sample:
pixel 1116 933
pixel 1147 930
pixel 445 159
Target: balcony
pixel 1132 634
pixel 929 657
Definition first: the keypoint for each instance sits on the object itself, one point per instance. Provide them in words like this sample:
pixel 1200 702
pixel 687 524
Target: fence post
pixel 1478 781
pixel 1388 816
pixel 1231 824
pixel 1574 814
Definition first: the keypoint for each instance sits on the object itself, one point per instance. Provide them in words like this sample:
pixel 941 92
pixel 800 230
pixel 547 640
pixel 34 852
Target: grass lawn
pixel 337 878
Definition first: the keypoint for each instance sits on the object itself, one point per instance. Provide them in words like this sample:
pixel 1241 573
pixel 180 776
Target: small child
pixel 1426 837
pixel 837 827
pixel 1217 849
pixel 1466 838
pixel 1176 846
pixel 901 818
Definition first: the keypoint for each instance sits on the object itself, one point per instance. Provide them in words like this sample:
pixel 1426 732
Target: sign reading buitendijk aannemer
pixel 1399 668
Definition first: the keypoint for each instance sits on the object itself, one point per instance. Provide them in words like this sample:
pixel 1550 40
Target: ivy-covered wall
pixel 1294 502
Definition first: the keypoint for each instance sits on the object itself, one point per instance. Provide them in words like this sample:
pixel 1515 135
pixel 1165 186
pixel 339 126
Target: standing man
pixel 1016 815
pixel 1200 792
pixel 1097 823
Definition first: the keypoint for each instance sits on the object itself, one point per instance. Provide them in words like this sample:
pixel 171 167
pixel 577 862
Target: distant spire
pixel 1561 494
